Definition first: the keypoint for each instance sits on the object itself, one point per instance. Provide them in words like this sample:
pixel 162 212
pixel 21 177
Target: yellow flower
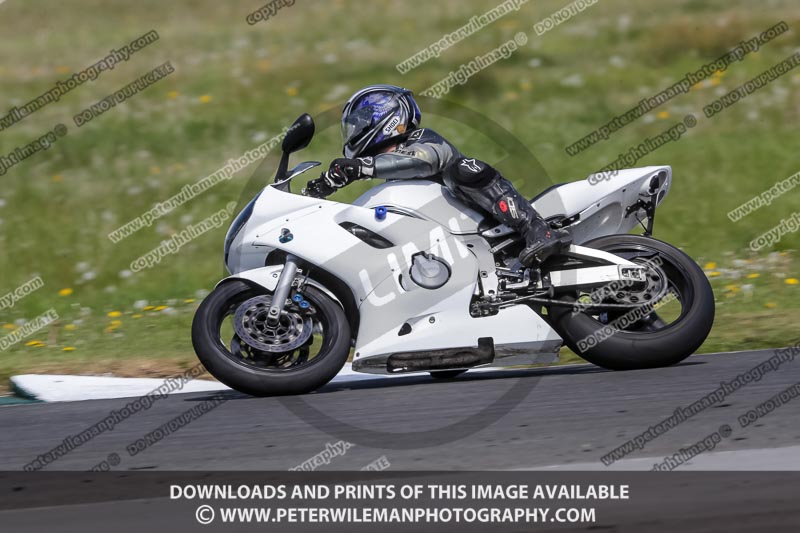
pixel 732 288
pixel 114 314
pixel 714 274
pixel 663 114
pixel 160 308
pixel 770 305
pixel 70 327
pixel 34 343
pixel 206 98
pixel 173 94
pixel 62 69
pixel 58 177
pixel 792 281
pixel 147 307
pixel 65 292
pixel 9 326
pixel 116 323
pixel 137 315
pixel 188 300
pixel 291 91
pixel 754 275
pixel 68 348
pixel 711 265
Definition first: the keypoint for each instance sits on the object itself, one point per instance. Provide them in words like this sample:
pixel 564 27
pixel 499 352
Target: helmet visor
pixel 360 121
pixel 356 124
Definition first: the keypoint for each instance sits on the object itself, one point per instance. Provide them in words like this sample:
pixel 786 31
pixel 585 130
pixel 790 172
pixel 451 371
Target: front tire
pixel 649 342
pixel 261 373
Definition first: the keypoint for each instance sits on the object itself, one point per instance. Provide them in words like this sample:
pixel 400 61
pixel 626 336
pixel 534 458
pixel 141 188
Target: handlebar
pixel 318 188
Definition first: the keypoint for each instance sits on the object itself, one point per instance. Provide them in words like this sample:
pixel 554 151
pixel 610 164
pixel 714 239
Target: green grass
pixel 58 206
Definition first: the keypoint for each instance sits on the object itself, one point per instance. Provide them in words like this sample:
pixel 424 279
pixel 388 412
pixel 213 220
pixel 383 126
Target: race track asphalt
pixel 541 418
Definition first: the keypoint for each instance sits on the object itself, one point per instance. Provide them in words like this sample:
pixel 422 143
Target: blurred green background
pixel 237 85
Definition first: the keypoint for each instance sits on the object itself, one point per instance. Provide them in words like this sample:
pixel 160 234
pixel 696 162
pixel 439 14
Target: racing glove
pixel 344 171
pixel 318 188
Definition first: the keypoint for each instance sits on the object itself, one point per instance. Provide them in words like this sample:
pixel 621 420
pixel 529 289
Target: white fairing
pixel 601 203
pixel 424 199
pixel 422 216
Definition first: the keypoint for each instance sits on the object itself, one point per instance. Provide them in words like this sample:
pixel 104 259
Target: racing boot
pixel 478 183
pixel 541 241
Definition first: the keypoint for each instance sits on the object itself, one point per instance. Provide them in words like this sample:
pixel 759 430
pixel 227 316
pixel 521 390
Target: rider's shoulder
pixel 424 135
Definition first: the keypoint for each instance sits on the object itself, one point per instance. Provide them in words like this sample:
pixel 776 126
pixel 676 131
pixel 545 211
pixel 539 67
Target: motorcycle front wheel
pixel 301 353
pixel 667 321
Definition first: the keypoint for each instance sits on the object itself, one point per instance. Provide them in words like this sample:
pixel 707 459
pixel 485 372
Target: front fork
pixel 282 290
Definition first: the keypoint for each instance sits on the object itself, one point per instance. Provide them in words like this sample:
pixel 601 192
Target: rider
pixel 382 139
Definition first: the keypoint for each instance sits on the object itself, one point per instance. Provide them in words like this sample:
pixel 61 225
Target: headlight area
pixel 237 225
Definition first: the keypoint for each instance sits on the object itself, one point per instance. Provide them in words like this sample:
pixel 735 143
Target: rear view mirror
pixel 299 135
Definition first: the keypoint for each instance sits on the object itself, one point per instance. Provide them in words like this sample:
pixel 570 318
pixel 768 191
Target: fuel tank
pixel 423 199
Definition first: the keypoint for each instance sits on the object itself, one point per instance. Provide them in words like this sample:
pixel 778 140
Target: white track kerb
pixel 58 388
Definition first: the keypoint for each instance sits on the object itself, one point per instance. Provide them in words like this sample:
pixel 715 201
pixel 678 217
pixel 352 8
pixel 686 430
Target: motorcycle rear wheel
pixel 651 341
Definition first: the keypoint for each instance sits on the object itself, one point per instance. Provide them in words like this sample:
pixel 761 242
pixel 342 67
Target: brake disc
pixel 656 288
pixel 250 323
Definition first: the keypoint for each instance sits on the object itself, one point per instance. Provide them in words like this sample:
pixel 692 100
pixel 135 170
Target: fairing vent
pixel 368 236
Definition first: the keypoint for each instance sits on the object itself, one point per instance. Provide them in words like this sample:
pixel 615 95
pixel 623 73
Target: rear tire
pixel 236 372
pixel 644 345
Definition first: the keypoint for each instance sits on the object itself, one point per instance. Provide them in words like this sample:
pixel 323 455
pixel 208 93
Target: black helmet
pixel 376 115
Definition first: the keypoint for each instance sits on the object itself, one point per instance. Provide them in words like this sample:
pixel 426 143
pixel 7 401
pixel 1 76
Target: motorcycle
pixel 409 279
